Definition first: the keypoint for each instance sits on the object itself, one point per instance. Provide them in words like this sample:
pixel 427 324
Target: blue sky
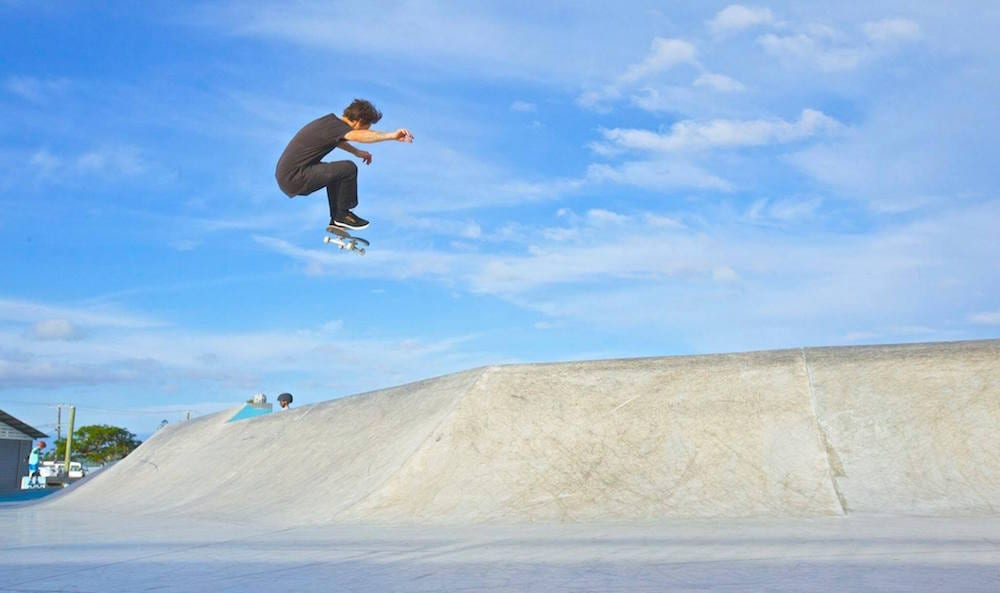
pixel 585 183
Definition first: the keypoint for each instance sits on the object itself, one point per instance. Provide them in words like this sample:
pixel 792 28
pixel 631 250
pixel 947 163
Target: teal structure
pixel 249 411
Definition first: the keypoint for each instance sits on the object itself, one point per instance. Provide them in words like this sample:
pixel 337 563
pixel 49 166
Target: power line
pixel 93 409
pixel 20 403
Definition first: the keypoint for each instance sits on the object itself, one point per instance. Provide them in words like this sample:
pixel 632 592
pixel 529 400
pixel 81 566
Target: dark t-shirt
pixel 313 142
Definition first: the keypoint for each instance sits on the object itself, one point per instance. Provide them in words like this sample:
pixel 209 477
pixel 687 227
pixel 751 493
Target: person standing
pixel 34 459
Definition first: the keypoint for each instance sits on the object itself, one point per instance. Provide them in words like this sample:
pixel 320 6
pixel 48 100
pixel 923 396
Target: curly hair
pixel 362 111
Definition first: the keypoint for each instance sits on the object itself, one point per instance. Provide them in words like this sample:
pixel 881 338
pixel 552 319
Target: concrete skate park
pixel 871 468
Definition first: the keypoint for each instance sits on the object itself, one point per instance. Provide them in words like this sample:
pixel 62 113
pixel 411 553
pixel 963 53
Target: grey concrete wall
pixel 13 463
pixel 807 432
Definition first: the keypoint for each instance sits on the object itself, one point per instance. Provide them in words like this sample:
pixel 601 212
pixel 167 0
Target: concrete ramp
pixel 912 429
pixel 809 432
pixel 297 467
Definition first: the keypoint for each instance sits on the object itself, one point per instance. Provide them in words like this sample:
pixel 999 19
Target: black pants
pixel 340 179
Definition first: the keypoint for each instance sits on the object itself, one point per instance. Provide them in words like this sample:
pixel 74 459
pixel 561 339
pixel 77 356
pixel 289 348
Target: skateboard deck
pixel 346 240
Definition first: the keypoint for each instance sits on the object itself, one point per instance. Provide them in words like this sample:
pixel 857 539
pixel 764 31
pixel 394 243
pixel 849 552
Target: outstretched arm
pixel 371 136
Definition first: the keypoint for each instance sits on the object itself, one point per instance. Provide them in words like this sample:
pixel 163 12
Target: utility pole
pixel 69 437
pixel 58 422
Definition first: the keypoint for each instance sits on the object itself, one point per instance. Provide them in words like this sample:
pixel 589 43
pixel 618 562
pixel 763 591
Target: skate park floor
pixel 46 550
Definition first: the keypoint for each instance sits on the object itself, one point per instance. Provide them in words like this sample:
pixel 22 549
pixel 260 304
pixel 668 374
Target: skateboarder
pixel 34 458
pixel 300 170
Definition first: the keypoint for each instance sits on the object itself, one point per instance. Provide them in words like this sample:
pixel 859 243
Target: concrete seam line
pixel 416 450
pixel 824 441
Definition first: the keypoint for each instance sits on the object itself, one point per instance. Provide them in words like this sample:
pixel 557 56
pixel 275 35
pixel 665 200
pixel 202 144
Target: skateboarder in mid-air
pixel 300 170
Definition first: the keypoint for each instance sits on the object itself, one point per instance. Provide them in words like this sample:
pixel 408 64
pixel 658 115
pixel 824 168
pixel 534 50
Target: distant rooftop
pixel 21 426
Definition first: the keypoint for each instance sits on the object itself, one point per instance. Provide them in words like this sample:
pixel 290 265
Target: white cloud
pixel 986 318
pixel 464 229
pixel 830 50
pixel 117 160
pixel 690 135
pixel 50 356
pixel 461 182
pixel 784 210
pixel 661 221
pixel 719 82
pixel 44 161
pixel 737 17
pixel 107 162
pixel 658 175
pixel 523 107
pixel 805 48
pixel 669 98
pixel 55 329
pixel 703 275
pixel 43 373
pixel 763 280
pixel 36 90
pixel 664 54
pixel 480 40
pixel 601 217
pixel 29 312
pixel 725 274
pixel 892 31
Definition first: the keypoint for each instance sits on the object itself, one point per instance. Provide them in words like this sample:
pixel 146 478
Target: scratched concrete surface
pixel 812 432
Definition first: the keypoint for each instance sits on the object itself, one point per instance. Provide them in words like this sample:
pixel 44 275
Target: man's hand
pixel 403 135
pixel 364 155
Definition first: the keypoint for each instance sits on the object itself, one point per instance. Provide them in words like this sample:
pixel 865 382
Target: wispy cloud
pixel 736 17
pixel 892 31
pixel 107 161
pixel 802 48
pixel 719 82
pixel 757 278
pixel 55 329
pixel 54 354
pixel 664 55
pixel 478 40
pixel 834 51
pixel 36 90
pixel 30 312
pixel 986 318
pixel 784 209
pixel 658 175
pixel 690 135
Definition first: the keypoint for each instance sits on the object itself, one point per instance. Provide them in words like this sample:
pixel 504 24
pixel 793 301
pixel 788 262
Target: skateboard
pixel 346 240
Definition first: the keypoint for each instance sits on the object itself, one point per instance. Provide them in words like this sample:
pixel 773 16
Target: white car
pixel 76 469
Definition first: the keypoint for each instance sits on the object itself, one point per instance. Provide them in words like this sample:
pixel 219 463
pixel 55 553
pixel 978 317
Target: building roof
pixel 21 426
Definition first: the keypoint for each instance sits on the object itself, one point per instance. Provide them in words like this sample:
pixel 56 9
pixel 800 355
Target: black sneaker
pixel 350 220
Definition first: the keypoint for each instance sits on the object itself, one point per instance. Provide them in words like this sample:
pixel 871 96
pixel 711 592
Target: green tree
pixel 99 443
